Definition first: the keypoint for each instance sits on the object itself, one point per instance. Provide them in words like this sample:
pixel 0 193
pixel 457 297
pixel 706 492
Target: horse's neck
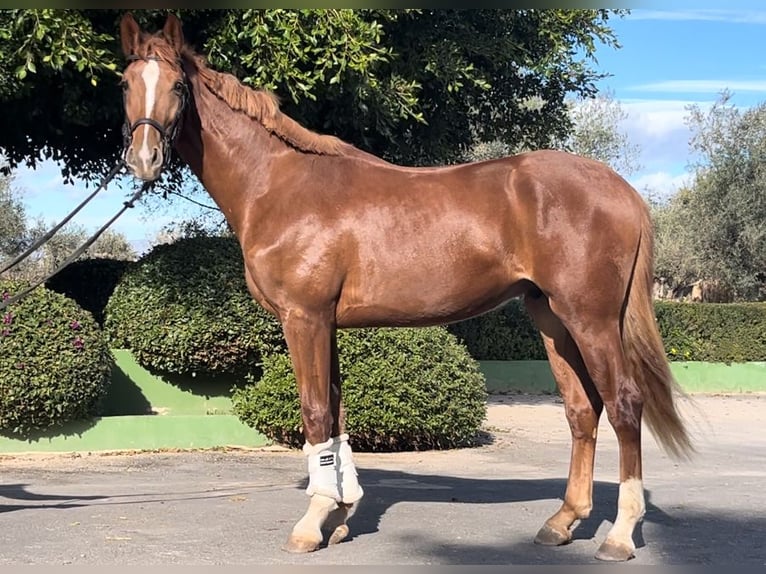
pixel 230 154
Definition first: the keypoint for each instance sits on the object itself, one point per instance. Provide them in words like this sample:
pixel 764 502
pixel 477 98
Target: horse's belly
pixel 429 296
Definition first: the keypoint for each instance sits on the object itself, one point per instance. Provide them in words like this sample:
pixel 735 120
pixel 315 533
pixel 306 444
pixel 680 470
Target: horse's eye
pixel 178 87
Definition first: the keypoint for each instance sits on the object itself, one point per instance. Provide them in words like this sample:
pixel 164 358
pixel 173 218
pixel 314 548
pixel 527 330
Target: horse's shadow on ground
pixel 683 536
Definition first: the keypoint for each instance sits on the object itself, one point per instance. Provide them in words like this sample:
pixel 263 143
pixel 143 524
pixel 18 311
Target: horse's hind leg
pixel 583 408
pixel 598 337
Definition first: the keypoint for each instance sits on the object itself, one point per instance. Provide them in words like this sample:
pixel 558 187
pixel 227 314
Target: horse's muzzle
pixel 145 164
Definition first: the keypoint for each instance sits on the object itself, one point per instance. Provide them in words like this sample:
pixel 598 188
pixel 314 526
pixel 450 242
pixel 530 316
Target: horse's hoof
pixel 336 523
pixel 338 535
pixel 611 551
pixel 548 536
pixel 300 545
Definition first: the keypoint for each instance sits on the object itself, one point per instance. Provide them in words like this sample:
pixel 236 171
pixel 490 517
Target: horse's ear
pixel 173 32
pixel 129 34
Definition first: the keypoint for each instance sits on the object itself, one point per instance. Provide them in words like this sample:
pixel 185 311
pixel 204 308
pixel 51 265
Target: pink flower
pixel 8 318
pixel 75 325
pixel 77 343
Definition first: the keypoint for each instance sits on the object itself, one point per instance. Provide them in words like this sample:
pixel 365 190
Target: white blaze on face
pixel 150 75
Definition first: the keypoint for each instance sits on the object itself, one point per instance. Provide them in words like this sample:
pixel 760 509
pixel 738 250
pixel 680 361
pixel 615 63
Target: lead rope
pixel 80 250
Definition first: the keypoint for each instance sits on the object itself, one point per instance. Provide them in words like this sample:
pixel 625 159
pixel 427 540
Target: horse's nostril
pixel 156 156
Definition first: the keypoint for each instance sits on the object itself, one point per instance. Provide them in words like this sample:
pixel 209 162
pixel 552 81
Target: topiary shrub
pixel 403 389
pixel 90 282
pixel 184 309
pixel 55 365
pixel 506 334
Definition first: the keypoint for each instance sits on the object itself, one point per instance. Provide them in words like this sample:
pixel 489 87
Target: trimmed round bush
pixel 90 282
pixel 403 389
pixel 184 309
pixel 55 365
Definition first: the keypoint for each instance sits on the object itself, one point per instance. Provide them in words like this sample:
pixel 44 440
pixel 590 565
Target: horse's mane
pixel 261 105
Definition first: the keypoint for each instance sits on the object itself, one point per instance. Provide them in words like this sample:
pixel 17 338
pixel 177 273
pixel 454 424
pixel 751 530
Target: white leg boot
pixel 331 470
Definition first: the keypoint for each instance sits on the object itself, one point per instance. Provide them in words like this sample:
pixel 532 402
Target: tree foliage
pixel 415 86
pixel 597 133
pixel 13 218
pixel 714 230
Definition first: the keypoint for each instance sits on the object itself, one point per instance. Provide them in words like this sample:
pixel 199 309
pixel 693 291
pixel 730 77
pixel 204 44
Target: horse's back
pixel 443 244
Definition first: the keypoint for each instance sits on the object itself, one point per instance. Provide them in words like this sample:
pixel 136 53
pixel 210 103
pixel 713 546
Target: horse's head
pixel 155 94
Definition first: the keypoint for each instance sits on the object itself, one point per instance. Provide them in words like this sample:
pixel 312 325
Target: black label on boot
pixel 327 459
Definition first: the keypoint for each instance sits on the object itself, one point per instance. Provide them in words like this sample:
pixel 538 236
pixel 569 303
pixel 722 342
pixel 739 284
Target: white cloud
pixel 660 184
pixel 658 128
pixel 657 118
pixel 702 86
pixel 41 180
pixel 709 15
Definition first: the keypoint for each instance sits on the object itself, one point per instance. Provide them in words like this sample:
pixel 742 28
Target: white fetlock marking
pixel 331 470
pixel 630 509
pixel 310 525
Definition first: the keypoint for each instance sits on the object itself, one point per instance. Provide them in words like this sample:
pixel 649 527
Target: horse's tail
pixel 645 353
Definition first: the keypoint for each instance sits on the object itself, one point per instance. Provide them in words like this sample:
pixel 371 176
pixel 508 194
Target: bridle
pixel 168 134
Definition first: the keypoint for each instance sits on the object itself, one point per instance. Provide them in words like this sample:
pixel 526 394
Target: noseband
pixel 169 134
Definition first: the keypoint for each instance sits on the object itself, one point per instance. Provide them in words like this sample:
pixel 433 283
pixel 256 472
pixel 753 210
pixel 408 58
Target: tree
pixel 12 219
pixel 678 259
pixel 111 245
pixel 597 133
pixel 414 86
pixel 714 230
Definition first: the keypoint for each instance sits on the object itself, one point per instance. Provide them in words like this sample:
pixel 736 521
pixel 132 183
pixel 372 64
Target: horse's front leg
pixel 333 484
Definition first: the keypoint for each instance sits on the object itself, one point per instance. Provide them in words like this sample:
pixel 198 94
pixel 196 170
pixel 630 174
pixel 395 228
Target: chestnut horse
pixel 333 237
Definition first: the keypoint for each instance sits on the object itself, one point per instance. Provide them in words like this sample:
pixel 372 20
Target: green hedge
pixel 55 365
pixel 184 309
pixel 714 332
pixel 90 282
pixel 403 389
pixel 506 334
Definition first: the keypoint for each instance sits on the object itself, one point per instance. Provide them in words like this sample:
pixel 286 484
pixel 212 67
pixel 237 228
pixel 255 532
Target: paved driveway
pixel 470 506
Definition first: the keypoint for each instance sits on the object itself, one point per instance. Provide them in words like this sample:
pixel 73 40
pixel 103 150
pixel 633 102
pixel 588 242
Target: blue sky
pixel 674 58
pixel 670 58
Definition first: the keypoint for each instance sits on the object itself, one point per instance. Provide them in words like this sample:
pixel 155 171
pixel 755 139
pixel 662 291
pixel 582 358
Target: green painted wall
pixel 144 411
pixel 693 377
